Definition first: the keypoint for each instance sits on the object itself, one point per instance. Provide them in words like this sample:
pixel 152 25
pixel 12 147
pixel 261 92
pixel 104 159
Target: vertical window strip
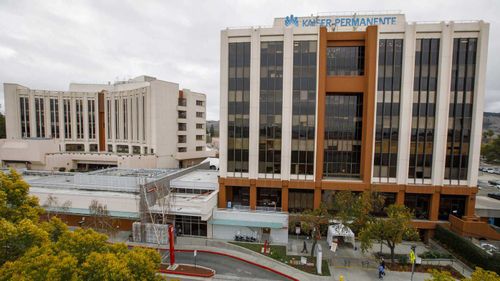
pixel 303 108
pixel 54 117
pixel 25 117
pixel 271 96
pixel 67 118
pixel 40 117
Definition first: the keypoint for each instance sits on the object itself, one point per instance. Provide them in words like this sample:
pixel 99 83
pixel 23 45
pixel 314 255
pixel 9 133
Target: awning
pixel 262 224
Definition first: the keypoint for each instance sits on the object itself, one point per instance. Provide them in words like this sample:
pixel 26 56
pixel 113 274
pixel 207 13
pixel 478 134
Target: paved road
pixel 228 266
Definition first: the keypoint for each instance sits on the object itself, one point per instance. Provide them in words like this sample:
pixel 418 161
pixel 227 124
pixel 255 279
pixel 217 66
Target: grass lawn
pixel 279 253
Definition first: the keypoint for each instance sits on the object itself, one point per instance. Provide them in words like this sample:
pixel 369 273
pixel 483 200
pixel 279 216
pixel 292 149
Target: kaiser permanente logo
pixel 340 21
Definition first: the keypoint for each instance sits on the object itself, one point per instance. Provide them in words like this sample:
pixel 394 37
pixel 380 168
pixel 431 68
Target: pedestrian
pixel 381 272
pixel 382 263
pixel 304 248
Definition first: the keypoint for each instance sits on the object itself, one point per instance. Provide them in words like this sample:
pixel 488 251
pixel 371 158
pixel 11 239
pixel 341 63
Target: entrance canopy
pixel 340 230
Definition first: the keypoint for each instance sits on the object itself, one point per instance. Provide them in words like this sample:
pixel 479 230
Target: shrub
pixel 435 255
pixel 466 250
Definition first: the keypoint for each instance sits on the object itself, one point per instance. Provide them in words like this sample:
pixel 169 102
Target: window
pixel 240 196
pixel 199 126
pixel 75 147
pixel 200 103
pixel 451 205
pixel 199 148
pixel 117 119
pixel 300 200
pixel 79 119
pixel 25 116
pixel 110 148
pixel 122 149
pixel 93 147
pixel 136 149
pixel 269 198
pixel 181 149
pixel 199 114
pixel 387 120
pixel 108 116
pixel 238 107
pixel 271 96
pixel 181 102
pixel 125 118
pixel 461 104
pixel 137 121
pixel 54 117
pixel 91 113
pixel 304 109
pixel 424 107
pixel 345 61
pixel 191 226
pixel 40 117
pixel 181 114
pixel 343 126
pixel 67 118
pixel 181 139
pixel 181 126
pixel 199 137
pixel 143 118
pixel 419 203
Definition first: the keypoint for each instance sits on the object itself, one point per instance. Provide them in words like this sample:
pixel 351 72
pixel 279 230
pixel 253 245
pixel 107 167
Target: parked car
pixel 494 182
pixel 495 195
pixel 489 248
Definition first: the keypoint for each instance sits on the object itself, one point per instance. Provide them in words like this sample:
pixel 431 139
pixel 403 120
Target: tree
pixel 479 274
pixel 15 202
pixel 491 150
pixel 41 263
pixel 81 243
pixel 100 218
pixel 355 210
pixel 55 228
pixel 105 267
pixel 16 239
pixel 311 222
pixel 393 229
pixel 52 206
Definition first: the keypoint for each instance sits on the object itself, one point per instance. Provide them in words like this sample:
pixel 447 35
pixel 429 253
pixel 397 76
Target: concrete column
pixel 406 101
pixel 434 207
pixel 223 105
pixel 286 134
pixel 32 113
pixel 46 109
pixel 253 194
pixel 470 206
pixel 442 104
pixel 253 149
pixel 478 104
pixel 61 117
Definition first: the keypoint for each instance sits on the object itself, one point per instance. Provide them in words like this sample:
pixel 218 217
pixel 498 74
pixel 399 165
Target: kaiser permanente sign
pixel 350 21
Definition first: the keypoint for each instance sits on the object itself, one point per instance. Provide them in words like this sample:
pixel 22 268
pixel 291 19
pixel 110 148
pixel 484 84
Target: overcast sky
pixel 48 44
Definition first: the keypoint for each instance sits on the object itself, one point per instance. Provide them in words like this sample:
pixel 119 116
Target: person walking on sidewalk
pixel 304 248
pixel 381 272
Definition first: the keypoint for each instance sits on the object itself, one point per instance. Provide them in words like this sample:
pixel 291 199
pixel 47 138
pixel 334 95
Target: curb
pixel 167 271
pixel 240 259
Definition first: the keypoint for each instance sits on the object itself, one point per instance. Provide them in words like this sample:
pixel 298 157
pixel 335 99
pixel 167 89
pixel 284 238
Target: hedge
pixel 466 250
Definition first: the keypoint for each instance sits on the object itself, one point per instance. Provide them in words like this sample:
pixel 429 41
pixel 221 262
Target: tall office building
pixel 140 123
pixel 314 105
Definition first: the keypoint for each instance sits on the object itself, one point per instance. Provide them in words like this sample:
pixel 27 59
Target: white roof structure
pixel 340 230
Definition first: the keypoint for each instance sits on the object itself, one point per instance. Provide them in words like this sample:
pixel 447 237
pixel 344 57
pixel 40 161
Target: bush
pixel 466 250
pixel 435 255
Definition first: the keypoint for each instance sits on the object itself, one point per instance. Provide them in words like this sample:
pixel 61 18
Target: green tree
pixel 143 264
pixel 15 202
pixel 55 228
pixel 81 243
pixel 354 210
pixel 393 229
pixel 491 150
pixel 41 263
pixel 105 267
pixel 16 239
pixel 311 221
pixel 438 275
pixel 480 274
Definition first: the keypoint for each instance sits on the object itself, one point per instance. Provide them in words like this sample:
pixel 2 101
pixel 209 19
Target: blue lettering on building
pixel 341 21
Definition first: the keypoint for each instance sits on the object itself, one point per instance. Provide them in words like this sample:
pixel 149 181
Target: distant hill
pixel 491 121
